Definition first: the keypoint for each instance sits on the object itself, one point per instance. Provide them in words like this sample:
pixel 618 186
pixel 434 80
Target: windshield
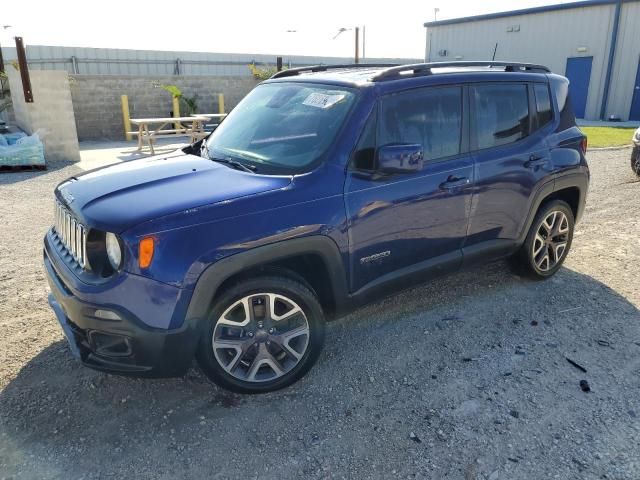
pixel 281 127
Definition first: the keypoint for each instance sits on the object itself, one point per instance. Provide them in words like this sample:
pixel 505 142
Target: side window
pixel 365 154
pixel 431 117
pixel 500 113
pixel 543 104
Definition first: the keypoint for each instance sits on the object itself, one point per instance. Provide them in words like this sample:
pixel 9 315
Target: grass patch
pixel 608 136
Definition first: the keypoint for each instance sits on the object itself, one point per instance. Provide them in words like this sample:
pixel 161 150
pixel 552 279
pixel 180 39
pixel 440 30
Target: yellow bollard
pixel 220 103
pixel 176 112
pixel 125 117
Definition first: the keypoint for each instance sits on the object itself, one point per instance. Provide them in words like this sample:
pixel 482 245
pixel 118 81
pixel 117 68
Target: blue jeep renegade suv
pixel 325 188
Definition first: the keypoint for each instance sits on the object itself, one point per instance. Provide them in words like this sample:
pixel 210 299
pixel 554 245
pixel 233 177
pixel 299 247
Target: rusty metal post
pixel 357 46
pixel 24 70
pixel 279 64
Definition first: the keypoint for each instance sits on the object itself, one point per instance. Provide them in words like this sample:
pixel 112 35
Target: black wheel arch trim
pixel 579 180
pixel 213 276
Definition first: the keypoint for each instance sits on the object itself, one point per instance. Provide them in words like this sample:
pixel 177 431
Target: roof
pixel 358 75
pixel 525 11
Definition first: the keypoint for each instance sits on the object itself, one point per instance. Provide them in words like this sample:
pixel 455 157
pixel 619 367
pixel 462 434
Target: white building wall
pixel 548 38
pixel 625 64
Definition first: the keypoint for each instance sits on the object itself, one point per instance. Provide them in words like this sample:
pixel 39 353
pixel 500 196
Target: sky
pixel 279 27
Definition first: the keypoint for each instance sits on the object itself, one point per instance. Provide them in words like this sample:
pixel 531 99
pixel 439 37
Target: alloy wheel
pixel 261 337
pixel 551 240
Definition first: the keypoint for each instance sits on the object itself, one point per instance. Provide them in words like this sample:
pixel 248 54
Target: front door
pixel 579 73
pixel 511 157
pixel 401 223
pixel 634 114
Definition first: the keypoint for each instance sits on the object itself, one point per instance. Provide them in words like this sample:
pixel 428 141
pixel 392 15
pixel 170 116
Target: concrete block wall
pixel 96 99
pixel 51 112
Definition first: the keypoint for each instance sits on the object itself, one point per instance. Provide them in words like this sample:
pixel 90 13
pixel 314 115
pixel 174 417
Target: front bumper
pixel 109 337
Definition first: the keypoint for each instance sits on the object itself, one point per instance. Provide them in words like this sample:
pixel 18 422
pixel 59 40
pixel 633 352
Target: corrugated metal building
pixel 595 43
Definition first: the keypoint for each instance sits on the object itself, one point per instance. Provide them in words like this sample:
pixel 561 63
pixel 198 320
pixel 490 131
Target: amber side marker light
pixel 145 252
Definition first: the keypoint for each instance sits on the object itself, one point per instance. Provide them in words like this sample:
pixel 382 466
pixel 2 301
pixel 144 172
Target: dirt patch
pixel 466 377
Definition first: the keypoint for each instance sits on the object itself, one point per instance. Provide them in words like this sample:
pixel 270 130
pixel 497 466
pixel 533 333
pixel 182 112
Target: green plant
pixel 173 90
pixel 262 73
pixel 190 104
pixel 5 98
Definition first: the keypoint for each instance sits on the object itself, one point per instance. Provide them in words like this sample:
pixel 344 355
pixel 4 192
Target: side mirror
pixel 404 158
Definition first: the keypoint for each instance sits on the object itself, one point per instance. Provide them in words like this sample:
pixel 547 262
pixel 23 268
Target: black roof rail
pixel 323 68
pixel 425 68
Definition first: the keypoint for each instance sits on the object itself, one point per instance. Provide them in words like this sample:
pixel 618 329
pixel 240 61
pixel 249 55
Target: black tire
pixel 635 160
pixel 524 262
pixel 293 290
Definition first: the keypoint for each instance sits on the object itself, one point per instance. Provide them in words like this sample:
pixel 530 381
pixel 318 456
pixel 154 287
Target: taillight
pixel 583 145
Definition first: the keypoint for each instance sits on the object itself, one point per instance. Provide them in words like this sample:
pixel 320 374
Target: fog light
pixel 106 315
pixel 110 345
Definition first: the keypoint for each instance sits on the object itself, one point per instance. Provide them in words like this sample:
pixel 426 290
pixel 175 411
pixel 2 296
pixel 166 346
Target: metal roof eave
pixel 524 11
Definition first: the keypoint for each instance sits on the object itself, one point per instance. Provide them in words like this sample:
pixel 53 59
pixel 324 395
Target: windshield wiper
pixel 234 164
pixel 204 152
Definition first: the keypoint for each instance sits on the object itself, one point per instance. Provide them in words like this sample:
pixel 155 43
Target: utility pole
pixel 357 46
pixel 364 40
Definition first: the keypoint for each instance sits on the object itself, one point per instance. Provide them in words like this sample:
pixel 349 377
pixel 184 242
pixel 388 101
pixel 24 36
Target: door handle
pixel 535 161
pixel 454 182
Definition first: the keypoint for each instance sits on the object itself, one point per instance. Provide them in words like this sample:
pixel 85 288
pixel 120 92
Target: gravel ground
pixel 464 378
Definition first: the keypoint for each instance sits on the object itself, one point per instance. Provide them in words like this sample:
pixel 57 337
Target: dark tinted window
pixel 543 104
pixel 501 114
pixel 364 156
pixel 431 117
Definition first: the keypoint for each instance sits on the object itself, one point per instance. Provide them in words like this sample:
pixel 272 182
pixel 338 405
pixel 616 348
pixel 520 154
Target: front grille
pixel 71 233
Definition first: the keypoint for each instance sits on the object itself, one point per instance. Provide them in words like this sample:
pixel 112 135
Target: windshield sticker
pixel 322 100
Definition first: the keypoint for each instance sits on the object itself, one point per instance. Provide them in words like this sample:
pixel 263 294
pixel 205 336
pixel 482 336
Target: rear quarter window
pixel 500 114
pixel 544 110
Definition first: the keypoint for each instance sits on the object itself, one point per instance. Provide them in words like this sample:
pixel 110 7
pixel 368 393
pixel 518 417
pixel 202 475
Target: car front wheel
pixel 263 334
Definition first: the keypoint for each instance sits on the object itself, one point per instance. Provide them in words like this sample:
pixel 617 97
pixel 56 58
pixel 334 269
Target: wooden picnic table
pixel 192 126
pixel 210 115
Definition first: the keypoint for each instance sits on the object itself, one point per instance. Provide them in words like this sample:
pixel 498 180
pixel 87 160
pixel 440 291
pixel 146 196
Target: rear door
pixel 511 157
pixel 403 223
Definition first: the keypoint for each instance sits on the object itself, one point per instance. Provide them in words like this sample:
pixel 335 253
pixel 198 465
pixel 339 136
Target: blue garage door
pixel 635 103
pixel 579 72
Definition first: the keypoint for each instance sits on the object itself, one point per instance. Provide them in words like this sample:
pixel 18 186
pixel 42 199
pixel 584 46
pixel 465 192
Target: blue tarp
pixel 17 149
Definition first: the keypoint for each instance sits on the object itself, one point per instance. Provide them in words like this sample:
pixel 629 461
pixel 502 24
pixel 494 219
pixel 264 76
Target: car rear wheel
pixel 548 241
pixel 263 334
pixel 635 160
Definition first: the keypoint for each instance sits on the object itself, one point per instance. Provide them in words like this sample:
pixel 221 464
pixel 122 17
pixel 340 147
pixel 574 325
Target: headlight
pixel 114 250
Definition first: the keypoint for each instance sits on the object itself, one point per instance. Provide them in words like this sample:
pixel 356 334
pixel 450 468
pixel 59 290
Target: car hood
pixel 120 196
